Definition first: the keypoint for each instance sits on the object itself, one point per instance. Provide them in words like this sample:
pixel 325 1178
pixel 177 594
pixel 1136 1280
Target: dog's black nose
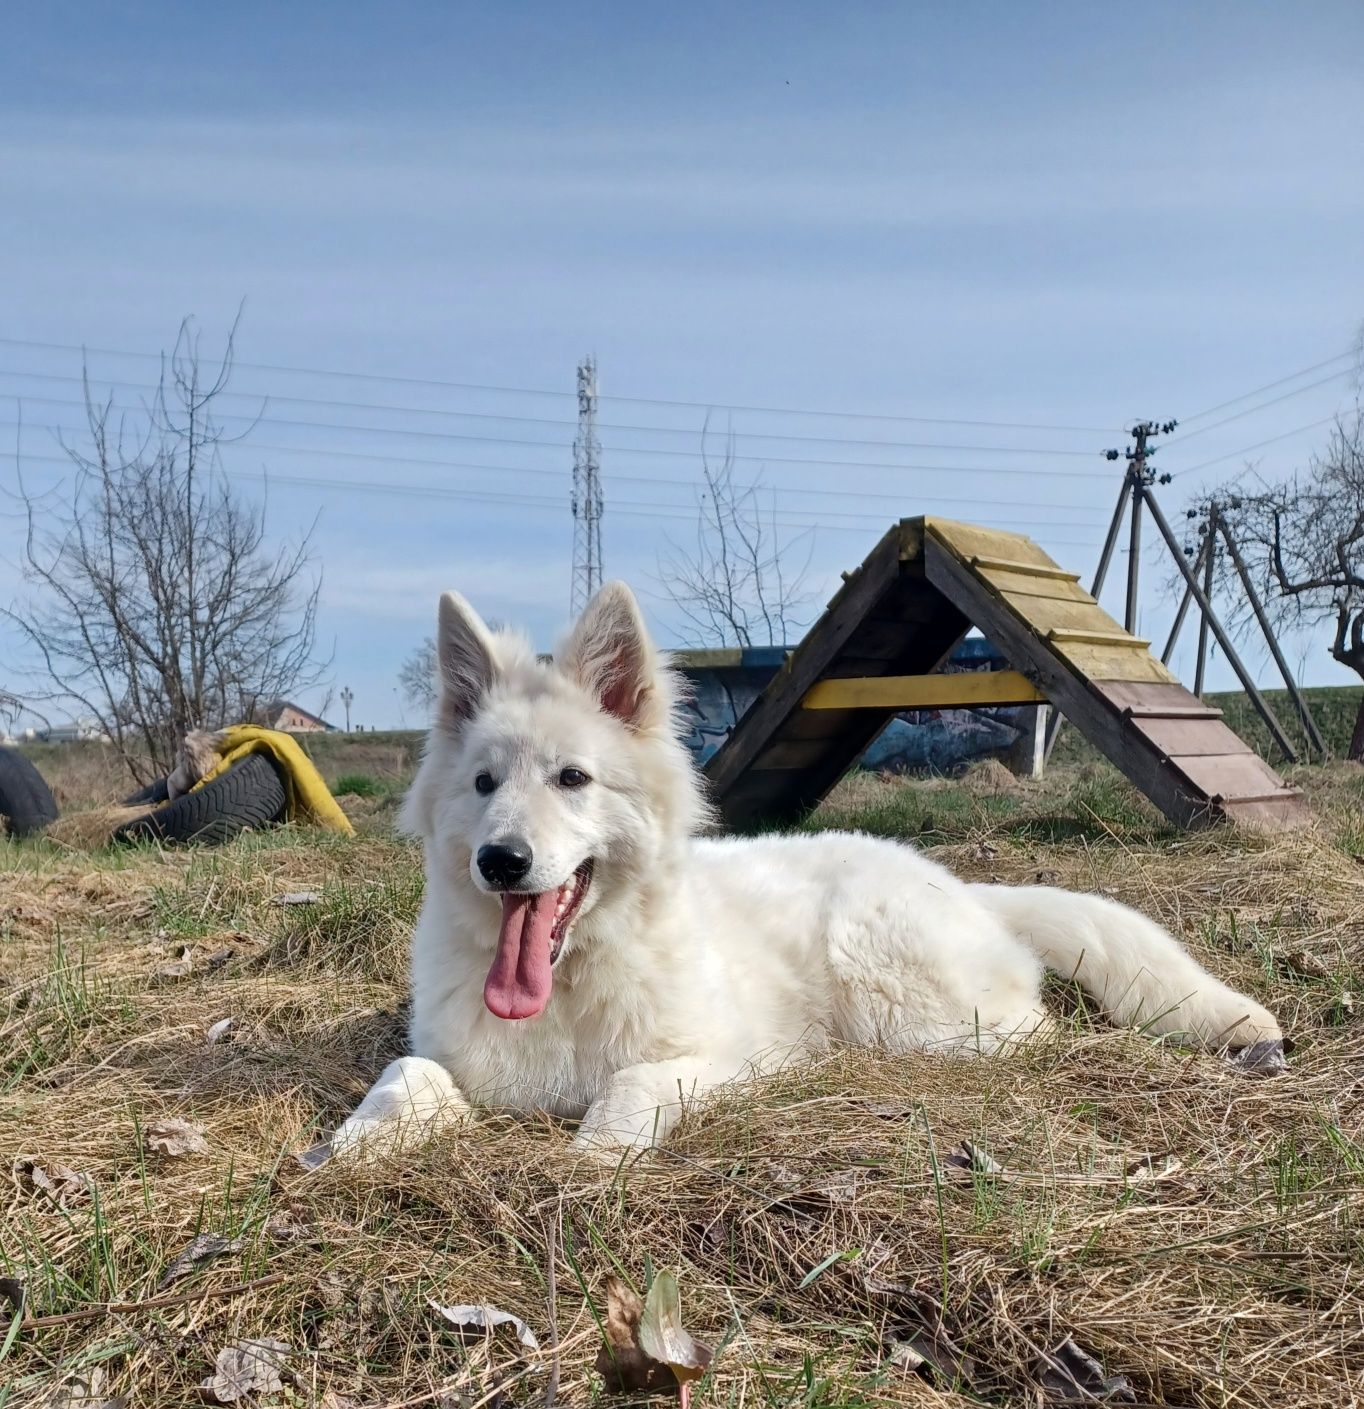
pixel 505 864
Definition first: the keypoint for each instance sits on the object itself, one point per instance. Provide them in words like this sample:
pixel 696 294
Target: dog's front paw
pixel 412 1098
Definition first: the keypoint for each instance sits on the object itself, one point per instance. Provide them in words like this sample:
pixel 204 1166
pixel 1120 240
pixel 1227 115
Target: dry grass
pixel 1197 1231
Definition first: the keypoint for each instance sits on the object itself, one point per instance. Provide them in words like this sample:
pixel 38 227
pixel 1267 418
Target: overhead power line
pixel 393 380
pixel 633 508
pixel 1094 475
pixel 1259 444
pixel 557 475
pixel 1262 406
pixel 413 433
pixel 1269 386
pixel 707 432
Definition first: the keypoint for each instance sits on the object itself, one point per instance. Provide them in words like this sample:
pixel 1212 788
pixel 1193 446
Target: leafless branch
pixel 155 604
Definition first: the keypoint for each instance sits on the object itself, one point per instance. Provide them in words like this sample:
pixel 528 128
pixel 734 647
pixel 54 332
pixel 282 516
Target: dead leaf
pixel 973 1159
pixel 922 1331
pixel 289 1225
pixel 663 1336
pixel 1070 1375
pixel 297 897
pixel 174 1136
pixel 218 958
pixel 484 1320
pixel 904 1357
pixel 85 1390
pixel 56 1181
pixel 14 1292
pixel 315 1156
pixel 1306 965
pixel 179 967
pixel 203 1249
pixel 248 1367
pixel 220 1031
pixel 621 1362
pixel 1151 1168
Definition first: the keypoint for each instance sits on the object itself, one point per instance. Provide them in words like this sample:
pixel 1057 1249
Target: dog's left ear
pixel 610 654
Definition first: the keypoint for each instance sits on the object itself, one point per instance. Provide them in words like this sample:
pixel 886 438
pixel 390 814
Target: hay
pixel 1198 1233
pixel 93 828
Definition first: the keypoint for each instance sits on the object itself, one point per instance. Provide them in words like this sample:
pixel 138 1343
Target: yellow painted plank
pixel 1104 663
pixel 959 690
pixel 1047 616
pixel 968 540
pixel 1050 589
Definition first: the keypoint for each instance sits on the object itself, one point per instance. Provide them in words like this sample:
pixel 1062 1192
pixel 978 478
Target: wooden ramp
pixel 900 615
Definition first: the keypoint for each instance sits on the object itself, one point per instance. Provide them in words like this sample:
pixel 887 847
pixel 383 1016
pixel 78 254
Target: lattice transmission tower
pixel 587 495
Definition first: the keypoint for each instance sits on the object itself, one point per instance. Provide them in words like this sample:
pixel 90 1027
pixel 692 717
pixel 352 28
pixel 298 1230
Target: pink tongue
pixel 520 979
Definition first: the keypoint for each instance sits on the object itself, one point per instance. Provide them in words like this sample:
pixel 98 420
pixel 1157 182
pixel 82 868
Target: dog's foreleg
pixel 641 1104
pixel 412 1097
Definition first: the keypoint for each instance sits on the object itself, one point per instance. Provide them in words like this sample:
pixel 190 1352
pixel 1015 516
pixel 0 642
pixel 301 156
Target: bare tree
pixel 1303 541
pixel 739 584
pixel 155 604
pixel 417 676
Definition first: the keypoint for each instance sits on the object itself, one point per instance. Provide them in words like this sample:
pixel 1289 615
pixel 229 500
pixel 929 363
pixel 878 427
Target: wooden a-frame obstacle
pixel 896 620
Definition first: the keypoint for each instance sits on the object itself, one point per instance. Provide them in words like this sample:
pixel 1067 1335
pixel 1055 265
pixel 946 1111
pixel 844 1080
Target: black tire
pixel 153 792
pixel 26 802
pixel 250 794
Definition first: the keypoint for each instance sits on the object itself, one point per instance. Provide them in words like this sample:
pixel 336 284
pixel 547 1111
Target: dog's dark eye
pixel 484 783
pixel 573 778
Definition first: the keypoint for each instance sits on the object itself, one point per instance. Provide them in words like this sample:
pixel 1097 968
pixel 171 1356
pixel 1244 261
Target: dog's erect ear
pixel 464 654
pixel 610 654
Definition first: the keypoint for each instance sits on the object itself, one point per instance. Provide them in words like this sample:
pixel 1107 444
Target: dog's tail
pixel 1133 969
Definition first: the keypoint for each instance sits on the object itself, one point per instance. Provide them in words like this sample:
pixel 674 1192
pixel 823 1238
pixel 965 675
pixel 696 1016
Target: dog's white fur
pixel 694 961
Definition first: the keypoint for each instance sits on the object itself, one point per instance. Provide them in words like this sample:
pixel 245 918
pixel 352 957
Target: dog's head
pixel 547 787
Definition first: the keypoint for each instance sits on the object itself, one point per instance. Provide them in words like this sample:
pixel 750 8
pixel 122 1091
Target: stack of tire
pixel 26 802
pixel 249 795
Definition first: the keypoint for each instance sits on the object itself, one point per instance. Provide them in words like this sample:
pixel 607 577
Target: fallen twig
pixel 155 1303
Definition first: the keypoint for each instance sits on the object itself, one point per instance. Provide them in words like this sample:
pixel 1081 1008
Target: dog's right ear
pixel 466 661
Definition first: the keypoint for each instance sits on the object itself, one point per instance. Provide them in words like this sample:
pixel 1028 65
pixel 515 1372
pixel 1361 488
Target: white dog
pixel 581 950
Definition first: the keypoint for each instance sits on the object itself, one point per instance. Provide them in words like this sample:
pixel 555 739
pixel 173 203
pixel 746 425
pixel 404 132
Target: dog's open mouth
pixel 533 931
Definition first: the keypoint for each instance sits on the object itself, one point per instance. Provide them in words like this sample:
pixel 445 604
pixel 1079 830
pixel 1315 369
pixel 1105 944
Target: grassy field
pixel 1197 1231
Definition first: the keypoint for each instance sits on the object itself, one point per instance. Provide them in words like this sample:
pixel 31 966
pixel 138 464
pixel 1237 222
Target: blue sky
pixel 1057 216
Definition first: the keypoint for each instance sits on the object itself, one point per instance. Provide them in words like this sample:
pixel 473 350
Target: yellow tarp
pixel 308 798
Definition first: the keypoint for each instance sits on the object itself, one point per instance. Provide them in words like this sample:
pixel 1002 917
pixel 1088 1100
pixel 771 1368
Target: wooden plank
pixel 1103 663
pixel 1066 618
pixel 1148 698
pixel 1088 710
pixel 1083 636
pixel 1186 738
pixel 851 603
pixel 981 561
pixel 1048 589
pixel 1230 775
pixel 967 540
pixel 955 690
pixel 790 753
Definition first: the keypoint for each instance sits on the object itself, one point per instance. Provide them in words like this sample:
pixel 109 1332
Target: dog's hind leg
pixel 412 1097
pixel 641 1104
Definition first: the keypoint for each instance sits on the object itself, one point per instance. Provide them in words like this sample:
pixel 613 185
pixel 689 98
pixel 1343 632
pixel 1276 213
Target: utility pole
pixel 587 493
pixel 1140 477
pixel 347 698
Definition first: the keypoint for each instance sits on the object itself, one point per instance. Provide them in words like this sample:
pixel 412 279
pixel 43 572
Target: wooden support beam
pixel 958 690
